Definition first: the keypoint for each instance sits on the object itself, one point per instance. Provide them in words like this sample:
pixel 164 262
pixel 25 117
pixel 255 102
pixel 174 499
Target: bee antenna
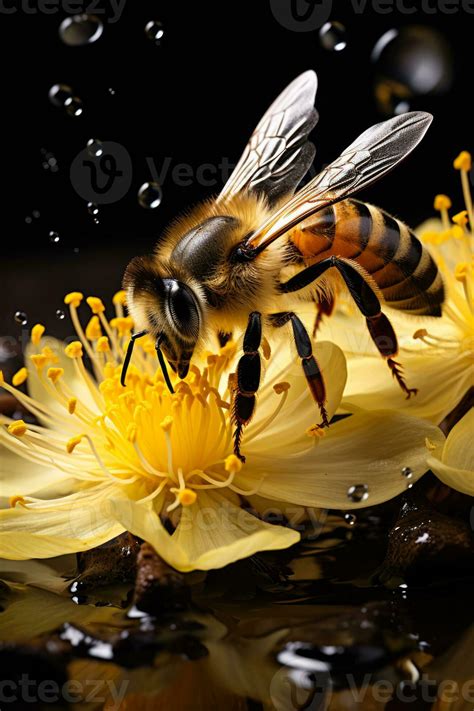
pixel 162 363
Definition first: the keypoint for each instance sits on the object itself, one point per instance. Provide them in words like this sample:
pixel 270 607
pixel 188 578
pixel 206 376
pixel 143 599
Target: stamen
pixel 280 389
pixel 442 203
pixel 37 333
pixel 18 428
pixel 166 425
pixel 20 377
pixel 73 300
pixel 463 163
pixel 14 500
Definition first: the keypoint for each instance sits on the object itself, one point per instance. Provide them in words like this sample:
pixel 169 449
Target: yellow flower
pixel 437 353
pixel 453 462
pixel 105 459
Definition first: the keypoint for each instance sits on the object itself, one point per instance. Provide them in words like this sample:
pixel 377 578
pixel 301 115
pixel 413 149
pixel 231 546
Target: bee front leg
pixel 309 364
pixel 248 379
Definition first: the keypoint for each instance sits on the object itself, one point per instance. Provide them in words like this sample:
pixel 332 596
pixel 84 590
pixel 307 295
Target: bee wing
pixel 278 154
pixel 374 153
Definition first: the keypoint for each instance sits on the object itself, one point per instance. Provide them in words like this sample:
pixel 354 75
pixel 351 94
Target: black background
pixel 194 99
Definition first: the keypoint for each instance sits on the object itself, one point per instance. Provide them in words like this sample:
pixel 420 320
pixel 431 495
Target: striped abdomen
pixel 386 248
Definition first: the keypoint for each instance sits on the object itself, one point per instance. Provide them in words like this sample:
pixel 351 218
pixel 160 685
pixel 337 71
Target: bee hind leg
pixel 248 380
pixel 309 364
pixel 367 301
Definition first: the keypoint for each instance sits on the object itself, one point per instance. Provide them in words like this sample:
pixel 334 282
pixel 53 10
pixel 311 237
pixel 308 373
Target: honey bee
pixel 226 265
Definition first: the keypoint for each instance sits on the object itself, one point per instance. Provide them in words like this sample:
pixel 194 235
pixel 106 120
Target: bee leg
pixel 324 307
pixel 128 355
pixel 223 338
pixel 248 379
pixel 310 366
pixel 366 300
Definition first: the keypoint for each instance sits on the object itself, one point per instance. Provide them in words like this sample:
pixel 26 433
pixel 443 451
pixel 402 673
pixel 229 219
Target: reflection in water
pixel 316 631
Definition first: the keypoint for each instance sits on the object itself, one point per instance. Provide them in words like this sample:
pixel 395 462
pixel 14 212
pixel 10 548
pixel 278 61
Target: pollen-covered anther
pixel 14 500
pixel 74 298
pixel 167 423
pixel 463 161
pixel 316 431
pixel 442 202
pixel 93 329
pixel 233 464
pixel 96 305
pixel 50 355
pixel 103 346
pixel 187 497
pixel 73 442
pixel 18 428
pixel 19 377
pixel 421 333
pixel 74 350
pixel 119 298
pixel 461 218
pixel 280 388
pixel 37 333
pixel 39 360
pixel 54 374
pixel 71 405
pixel 462 271
pixel 123 324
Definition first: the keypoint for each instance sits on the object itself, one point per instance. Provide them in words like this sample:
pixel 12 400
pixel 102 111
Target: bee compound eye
pixel 183 309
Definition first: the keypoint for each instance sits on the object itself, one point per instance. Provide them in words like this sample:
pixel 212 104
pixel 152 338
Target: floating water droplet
pixel 410 485
pixel 21 317
pixel 92 208
pixel 96 221
pixel 407 472
pixel 150 195
pixel 60 314
pixel 111 91
pixel 412 61
pixel 36 214
pixel 154 31
pixel 74 106
pixel 94 147
pixel 78 30
pixel 53 237
pixel 28 220
pixel 59 94
pixel 332 36
pixel 351 519
pixel 358 493
pixel 76 250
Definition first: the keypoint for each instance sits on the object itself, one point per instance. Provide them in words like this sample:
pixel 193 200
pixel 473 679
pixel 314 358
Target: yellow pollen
pixel 315 431
pixel 266 350
pixel 19 377
pixel 73 299
pixel 463 161
pixel 232 464
pixel 120 297
pixel 37 333
pixel 442 202
pixel 280 388
pixel 39 360
pixel 421 333
pixel 73 442
pixel 93 329
pixel 123 324
pixel 18 428
pixel 50 355
pixel 461 218
pixel 187 497
pixel 167 423
pixel 55 373
pixel 74 350
pixel 71 405
pixel 461 271
pixel 103 345
pixel 96 305
pixel 14 500
pixel 132 432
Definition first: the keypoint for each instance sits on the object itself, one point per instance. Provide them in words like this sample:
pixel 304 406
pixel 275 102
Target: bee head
pixel 168 307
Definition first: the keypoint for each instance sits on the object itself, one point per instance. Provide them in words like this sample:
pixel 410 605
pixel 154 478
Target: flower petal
pixel 19 476
pixel 454 463
pixel 74 523
pixel 211 533
pixel 368 448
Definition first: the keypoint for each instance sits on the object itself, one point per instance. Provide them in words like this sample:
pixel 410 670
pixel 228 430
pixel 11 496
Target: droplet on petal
pixel 407 472
pixel 358 493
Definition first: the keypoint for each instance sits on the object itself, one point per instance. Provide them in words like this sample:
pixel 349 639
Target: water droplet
pixel 21 318
pixel 79 30
pixel 351 519
pixel 358 493
pixel 154 31
pixel 150 195
pixel 407 472
pixel 36 214
pixel 96 221
pixel 410 485
pixel 53 237
pixel 412 61
pixel 28 220
pixel 332 36
pixel 60 314
pixel 92 208
pixel 59 94
pixel 74 106
pixel 76 250
pixel 94 147
pixel 111 91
